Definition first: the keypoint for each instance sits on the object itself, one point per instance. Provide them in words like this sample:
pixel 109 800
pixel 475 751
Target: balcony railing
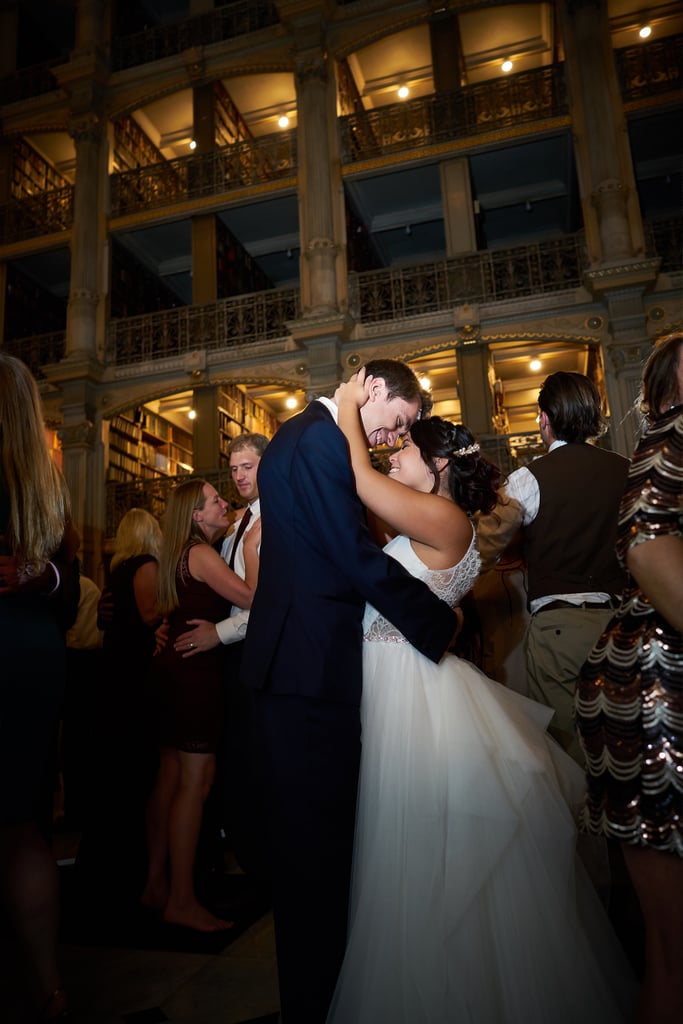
pixel 226 22
pixel 38 350
pixel 251 162
pixel 28 82
pixel 228 323
pixel 44 213
pixel 486 276
pixel 528 97
pixel 650 70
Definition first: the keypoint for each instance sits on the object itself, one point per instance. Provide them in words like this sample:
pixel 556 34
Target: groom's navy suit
pixel 303 656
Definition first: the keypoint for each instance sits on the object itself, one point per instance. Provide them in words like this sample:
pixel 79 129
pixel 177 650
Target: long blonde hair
pixel 38 495
pixel 180 530
pixel 138 534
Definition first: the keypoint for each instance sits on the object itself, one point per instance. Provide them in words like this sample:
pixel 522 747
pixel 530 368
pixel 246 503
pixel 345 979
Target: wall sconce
pixel 403 92
pixel 192 414
pixel 506 66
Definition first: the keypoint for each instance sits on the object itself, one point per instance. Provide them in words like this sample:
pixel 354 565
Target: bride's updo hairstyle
pixel 473 480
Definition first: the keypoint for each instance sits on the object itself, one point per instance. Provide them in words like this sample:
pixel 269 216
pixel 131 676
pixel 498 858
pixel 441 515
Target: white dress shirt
pixel 234 628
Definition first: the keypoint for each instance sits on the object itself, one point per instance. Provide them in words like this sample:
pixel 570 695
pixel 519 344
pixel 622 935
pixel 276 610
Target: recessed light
pixel 425 383
pixel 291 402
pixel 192 414
pixel 535 365
pixel 193 143
pixel 645 32
pixel 403 92
pixel 283 121
pixel 506 65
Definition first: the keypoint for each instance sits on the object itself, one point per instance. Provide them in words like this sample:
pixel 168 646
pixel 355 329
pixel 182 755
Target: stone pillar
pixel 448 64
pixel 609 199
pixel 87 239
pixel 321 196
pixel 625 353
pixel 205 440
pixel 476 376
pixel 456 193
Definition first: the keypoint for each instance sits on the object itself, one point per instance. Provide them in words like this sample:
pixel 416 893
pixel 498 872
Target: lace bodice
pixel 450 585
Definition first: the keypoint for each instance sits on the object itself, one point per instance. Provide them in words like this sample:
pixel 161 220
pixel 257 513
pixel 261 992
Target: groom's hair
pixel 400 382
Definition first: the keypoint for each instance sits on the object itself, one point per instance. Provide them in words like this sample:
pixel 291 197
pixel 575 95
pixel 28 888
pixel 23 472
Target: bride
pixel 468 904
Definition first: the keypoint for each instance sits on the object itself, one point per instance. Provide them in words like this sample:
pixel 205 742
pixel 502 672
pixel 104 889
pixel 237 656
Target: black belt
pixel 555 605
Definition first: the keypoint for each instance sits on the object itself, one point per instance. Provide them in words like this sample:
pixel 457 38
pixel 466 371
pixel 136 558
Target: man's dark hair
pixel 400 382
pixel 573 405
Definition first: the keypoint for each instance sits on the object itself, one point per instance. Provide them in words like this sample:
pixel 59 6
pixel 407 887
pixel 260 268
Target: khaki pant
pixel 557 643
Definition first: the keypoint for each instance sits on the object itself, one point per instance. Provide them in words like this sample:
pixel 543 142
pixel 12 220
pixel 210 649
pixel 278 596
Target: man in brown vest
pixel 567 504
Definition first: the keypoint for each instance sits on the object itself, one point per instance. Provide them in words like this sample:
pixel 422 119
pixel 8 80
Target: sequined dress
pixel 630 694
pixel 467 903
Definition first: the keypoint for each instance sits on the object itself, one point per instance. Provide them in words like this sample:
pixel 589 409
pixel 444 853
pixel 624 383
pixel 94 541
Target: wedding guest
pixel 630 693
pixel 194 582
pixel 38 600
pixel 468 902
pixel 302 657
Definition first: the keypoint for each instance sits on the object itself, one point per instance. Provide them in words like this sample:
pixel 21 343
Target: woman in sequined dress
pixel 630 694
pixel 467 902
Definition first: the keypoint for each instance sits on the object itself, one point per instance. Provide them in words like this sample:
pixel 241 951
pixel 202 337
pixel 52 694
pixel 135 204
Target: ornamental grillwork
pixel 650 70
pixel 460 113
pixel 226 324
pixel 233 19
pixel 38 351
pixel 251 162
pixel 488 276
pixel 43 213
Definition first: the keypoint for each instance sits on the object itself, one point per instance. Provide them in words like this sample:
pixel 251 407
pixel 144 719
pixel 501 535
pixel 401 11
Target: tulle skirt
pixel 468 903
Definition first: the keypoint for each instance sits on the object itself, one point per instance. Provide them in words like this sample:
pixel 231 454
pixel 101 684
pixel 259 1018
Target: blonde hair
pixel 138 534
pixel 38 495
pixel 180 531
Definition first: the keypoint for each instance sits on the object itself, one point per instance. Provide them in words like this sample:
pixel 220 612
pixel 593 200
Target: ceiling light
pixel 425 383
pixel 535 365
pixel 192 414
pixel 283 121
pixel 403 92
pixel 291 402
pixel 645 32
pixel 193 143
pixel 409 230
pixel 506 65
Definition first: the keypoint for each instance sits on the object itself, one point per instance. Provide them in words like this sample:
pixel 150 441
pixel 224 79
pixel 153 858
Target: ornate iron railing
pixel 527 97
pixel 43 213
pixel 665 239
pixel 650 70
pixel 250 162
pixel 228 323
pixel 28 82
pixel 226 22
pixel 487 276
pixel 38 351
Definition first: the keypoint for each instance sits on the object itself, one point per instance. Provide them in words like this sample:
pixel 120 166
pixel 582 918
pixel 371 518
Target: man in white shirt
pixel 235 773
pixel 567 504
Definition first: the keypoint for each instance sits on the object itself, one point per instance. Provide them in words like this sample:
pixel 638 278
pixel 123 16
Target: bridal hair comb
pixel 470 450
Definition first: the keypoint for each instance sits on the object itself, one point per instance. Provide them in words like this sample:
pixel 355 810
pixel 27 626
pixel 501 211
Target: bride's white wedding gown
pixel 468 904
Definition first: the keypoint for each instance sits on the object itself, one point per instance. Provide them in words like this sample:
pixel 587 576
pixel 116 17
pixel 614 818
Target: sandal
pixel 55 1008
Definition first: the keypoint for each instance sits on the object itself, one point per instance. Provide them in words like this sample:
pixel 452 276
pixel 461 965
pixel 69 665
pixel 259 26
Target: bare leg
pixel 155 893
pixel 658 881
pixel 30 892
pixel 196 775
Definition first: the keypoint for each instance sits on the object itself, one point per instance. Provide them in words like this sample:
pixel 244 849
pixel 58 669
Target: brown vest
pixel 569 546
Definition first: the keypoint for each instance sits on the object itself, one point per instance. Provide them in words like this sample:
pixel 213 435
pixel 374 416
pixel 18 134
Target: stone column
pixel 609 200
pixel 475 376
pixel 456 193
pixel 321 196
pixel 448 65
pixel 87 239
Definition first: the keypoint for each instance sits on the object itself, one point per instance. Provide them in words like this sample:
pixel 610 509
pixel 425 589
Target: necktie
pixel 244 522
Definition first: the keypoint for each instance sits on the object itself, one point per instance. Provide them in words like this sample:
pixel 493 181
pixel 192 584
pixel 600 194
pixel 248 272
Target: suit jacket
pixel 319 566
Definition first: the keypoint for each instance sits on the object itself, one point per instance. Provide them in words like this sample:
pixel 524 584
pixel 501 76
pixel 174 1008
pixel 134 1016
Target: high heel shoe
pixel 55 1008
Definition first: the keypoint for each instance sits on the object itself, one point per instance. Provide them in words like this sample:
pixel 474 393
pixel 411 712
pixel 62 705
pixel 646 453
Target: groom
pixel 319 566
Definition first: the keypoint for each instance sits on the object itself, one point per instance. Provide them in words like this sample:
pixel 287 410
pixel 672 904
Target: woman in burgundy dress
pixel 194 583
